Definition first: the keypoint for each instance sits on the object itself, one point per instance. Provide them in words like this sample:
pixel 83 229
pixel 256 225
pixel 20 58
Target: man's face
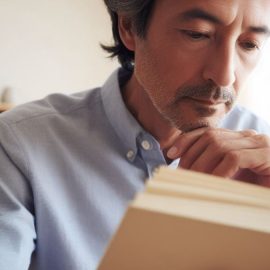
pixel 197 55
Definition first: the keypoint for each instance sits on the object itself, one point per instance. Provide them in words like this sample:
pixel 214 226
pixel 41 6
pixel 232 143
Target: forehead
pixel 253 12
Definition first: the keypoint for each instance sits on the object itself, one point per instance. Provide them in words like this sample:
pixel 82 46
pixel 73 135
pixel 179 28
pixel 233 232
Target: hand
pixel 242 155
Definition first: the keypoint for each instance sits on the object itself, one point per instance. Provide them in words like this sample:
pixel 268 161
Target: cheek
pixel 245 68
pixel 153 74
pixel 166 68
pixel 243 75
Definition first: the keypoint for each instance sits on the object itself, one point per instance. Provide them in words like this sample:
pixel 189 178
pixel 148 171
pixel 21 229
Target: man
pixel 70 165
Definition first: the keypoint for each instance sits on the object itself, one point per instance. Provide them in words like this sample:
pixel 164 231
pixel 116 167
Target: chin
pixel 189 125
pixel 201 118
pixel 187 118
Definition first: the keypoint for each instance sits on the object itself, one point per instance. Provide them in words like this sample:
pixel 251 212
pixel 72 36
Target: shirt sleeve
pixel 17 228
pixel 240 119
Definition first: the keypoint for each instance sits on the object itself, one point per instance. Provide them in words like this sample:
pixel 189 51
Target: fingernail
pixel 172 152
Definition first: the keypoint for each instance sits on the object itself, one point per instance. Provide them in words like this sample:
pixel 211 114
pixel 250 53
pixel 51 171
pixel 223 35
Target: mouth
pixel 205 108
pixel 206 102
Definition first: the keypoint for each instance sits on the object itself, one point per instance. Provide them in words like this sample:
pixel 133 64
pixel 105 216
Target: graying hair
pixel 139 13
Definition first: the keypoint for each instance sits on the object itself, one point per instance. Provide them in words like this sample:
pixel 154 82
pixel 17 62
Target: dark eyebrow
pixel 260 30
pixel 197 13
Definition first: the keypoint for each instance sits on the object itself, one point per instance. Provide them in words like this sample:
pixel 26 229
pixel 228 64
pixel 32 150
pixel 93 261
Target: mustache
pixel 207 91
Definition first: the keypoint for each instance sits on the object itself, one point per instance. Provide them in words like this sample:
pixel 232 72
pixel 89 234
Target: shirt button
pixel 146 145
pixel 130 154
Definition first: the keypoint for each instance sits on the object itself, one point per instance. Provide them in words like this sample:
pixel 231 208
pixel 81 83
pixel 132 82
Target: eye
pixel 249 45
pixel 195 35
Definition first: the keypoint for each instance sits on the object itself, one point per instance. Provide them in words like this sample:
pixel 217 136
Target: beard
pixel 196 115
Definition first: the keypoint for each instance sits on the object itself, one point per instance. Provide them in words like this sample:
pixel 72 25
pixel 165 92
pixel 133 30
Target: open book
pixel 193 221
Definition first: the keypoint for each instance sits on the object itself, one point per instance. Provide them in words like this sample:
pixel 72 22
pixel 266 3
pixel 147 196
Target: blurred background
pixel 53 46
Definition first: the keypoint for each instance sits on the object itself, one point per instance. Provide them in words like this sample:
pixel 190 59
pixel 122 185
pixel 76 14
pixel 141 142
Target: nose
pixel 220 66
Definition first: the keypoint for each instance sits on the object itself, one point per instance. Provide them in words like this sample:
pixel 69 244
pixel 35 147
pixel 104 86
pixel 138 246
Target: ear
pixel 126 32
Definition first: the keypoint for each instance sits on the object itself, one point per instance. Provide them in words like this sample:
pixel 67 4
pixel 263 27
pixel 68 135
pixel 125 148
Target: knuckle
pixel 249 132
pixel 262 140
pixel 217 147
pixel 212 136
pixel 233 157
pixel 220 147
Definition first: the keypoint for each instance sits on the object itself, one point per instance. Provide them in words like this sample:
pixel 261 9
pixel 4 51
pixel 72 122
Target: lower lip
pixel 203 108
pixel 204 102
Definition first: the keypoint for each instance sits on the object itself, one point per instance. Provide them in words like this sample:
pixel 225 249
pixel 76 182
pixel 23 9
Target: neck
pixel 139 104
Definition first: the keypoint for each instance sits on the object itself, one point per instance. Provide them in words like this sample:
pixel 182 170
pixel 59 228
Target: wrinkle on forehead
pixel 226 10
pixel 257 12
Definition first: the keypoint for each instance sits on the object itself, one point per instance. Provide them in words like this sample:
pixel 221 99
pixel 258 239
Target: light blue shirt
pixel 69 165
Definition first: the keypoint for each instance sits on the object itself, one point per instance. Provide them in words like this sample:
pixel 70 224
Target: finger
pixel 249 132
pixel 208 160
pixel 258 161
pixel 184 140
pixel 202 156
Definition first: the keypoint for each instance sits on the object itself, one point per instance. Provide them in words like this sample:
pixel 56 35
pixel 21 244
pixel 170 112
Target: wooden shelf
pixel 5 107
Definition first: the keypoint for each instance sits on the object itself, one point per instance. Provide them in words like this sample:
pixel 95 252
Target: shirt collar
pixel 122 121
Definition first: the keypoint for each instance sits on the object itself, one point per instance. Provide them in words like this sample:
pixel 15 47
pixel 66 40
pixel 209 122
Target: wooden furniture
pixel 5 106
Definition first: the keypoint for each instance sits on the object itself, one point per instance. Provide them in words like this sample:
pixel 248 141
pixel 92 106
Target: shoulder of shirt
pixel 240 118
pixel 54 104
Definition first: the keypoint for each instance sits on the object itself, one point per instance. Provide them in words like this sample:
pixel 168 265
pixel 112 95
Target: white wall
pixel 53 46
